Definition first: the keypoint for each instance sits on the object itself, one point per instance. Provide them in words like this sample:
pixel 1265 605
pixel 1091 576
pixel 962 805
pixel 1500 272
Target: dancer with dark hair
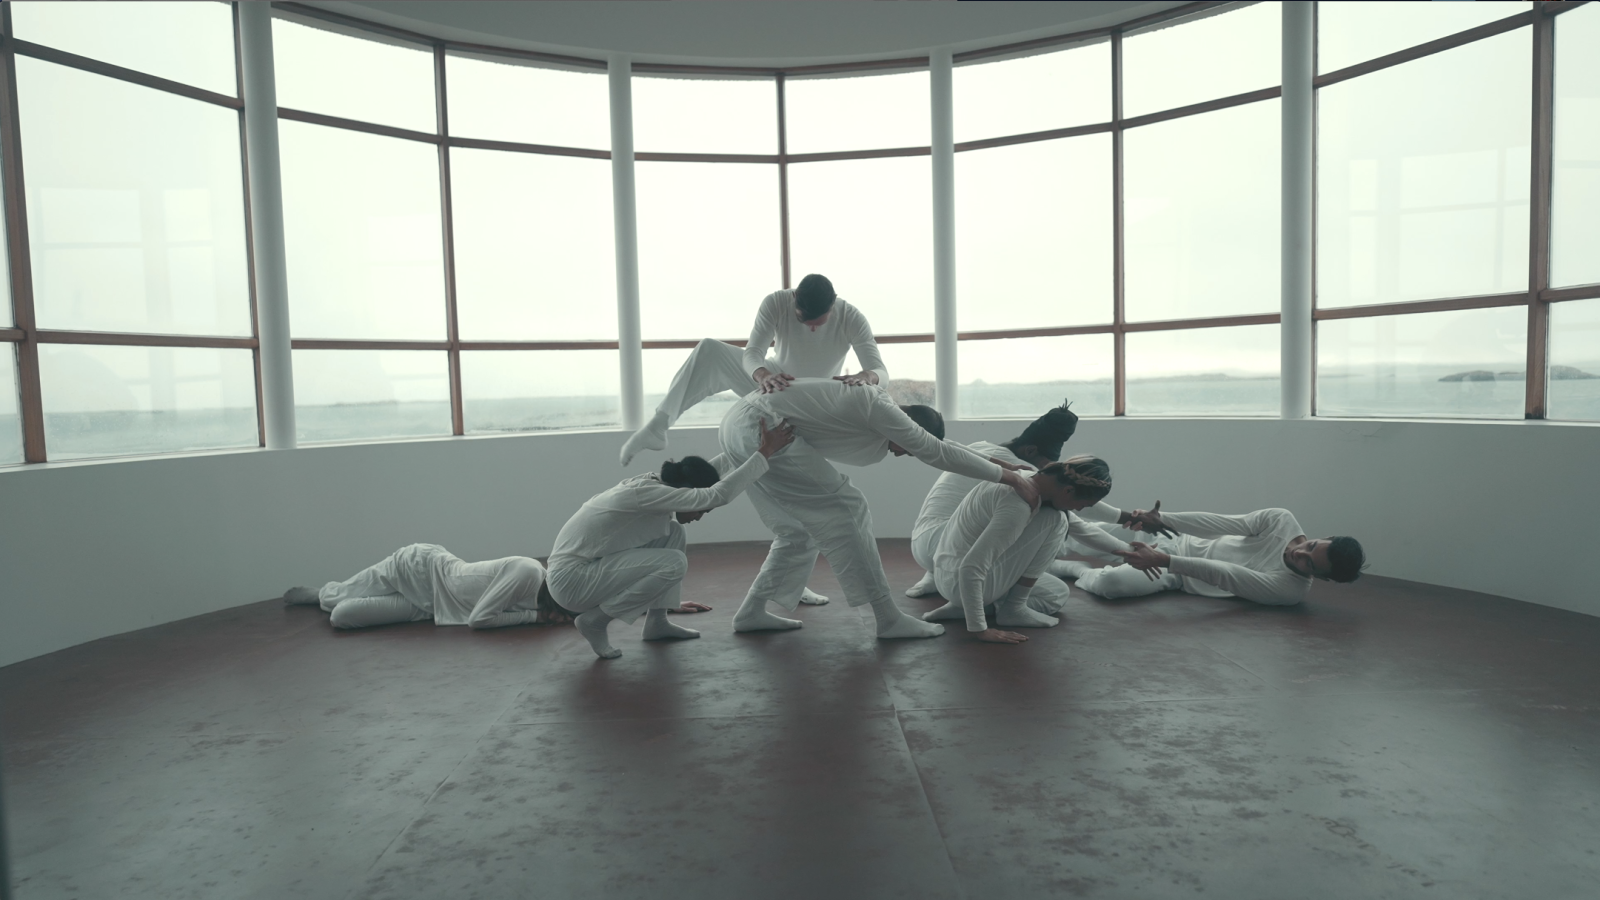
pixel 1263 556
pixel 811 507
pixel 622 553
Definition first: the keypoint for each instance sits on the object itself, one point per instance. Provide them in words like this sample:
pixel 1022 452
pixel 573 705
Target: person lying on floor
pixel 1263 556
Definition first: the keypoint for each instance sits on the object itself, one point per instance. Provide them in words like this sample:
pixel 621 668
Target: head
pixel 927 418
pixel 1041 441
pixel 689 472
pixel 1074 484
pixel 551 612
pixel 813 300
pixel 1329 559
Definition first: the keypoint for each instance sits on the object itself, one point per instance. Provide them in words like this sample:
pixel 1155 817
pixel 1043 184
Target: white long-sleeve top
pixel 854 424
pixel 804 353
pixel 986 523
pixel 490 594
pixel 1237 556
pixel 638 510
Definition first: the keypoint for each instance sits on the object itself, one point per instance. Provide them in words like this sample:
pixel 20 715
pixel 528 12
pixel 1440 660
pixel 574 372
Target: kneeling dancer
pixel 425 581
pixel 811 507
pixel 1263 556
pixel 996 550
pixel 621 554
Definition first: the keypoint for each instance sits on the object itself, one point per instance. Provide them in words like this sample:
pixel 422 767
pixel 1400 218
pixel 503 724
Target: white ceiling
pixel 744 32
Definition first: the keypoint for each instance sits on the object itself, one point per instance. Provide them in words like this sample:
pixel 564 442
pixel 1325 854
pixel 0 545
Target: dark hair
pixel 927 417
pixel 814 297
pixel 547 603
pixel 1346 559
pixel 1088 476
pixel 689 472
pixel 1048 432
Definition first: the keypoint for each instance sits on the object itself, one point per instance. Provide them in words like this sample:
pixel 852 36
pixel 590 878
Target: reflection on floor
pixel 1390 739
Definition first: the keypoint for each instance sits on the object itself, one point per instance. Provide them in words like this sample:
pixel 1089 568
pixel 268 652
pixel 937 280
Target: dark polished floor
pixel 1389 739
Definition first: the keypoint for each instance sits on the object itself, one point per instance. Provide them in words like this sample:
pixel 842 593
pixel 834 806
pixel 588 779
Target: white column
pixel 944 234
pixel 1299 110
pixel 266 223
pixel 625 217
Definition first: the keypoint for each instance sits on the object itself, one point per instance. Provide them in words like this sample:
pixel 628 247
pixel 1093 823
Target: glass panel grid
pixel 503 101
pixel 1573 391
pixel 1575 184
pixel 1203 59
pixel 353 78
pixel 1459 364
pixel 1021 378
pixel 189 42
pixel 1033 93
pixel 362 395
pixel 1231 371
pixel 682 115
pixel 1350 33
pixel 506 392
pixel 864 112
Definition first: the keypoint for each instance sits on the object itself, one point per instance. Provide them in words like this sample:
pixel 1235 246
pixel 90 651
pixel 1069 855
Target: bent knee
pixel 340 618
pixel 678 565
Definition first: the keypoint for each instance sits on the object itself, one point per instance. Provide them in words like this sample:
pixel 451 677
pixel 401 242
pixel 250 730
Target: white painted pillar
pixel 944 234
pixel 266 223
pixel 625 217
pixel 1299 112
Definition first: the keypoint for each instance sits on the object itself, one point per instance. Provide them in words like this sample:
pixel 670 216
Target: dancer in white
pixel 425 581
pixel 810 506
pixel 996 550
pixel 1263 556
pixel 814 329
pixel 622 553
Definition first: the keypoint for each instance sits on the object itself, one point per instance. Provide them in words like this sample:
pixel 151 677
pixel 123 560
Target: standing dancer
pixel 810 506
pixel 622 553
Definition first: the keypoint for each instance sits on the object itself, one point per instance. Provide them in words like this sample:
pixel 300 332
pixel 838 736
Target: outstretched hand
pixel 775 439
pixel 1025 488
pixel 773 382
pixel 1147 520
pixel 1011 467
pixel 866 376
pixel 1146 559
pixel 689 607
pixel 996 636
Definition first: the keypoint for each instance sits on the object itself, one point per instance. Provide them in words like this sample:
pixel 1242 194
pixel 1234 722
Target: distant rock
pixel 1569 373
pixel 1474 375
pixel 909 392
pixel 1557 373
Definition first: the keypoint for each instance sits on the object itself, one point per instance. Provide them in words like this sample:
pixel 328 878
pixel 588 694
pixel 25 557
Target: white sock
pixel 653 436
pixel 657 628
pixel 299 596
pixel 753 616
pixel 1017 614
pixel 592 625
pixel 923 588
pixel 893 624
pixel 812 598
pixel 944 613
pixel 1069 569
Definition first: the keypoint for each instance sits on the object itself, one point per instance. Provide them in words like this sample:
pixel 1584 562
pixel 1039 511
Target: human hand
pixel 775 439
pixel 1146 520
pixel 1146 559
pixel 866 376
pixel 772 382
pixel 1025 488
pixel 996 636
pixel 689 607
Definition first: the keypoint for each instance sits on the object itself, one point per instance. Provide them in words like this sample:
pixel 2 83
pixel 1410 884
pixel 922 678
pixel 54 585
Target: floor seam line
pixel 922 788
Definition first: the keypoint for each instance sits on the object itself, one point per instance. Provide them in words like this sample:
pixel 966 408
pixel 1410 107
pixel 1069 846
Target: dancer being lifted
pixel 810 506
pixel 996 550
pixel 425 581
pixel 1263 556
pixel 621 554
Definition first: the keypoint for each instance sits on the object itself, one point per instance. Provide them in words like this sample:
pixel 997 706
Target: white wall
pixel 89 550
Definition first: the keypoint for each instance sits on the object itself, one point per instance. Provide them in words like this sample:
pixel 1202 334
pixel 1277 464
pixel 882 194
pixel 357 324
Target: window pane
pixel 1350 33
pixel 1467 363
pixel 1021 378
pixel 10 421
pixel 358 395
pixel 861 113
pixel 1575 200
pixel 362 235
pixel 1191 62
pixel 540 390
pixel 1033 234
pixel 136 206
pixel 680 115
pixel 6 315
pixel 1422 187
pixel 1573 391
pixel 115 401
pixel 864 224
pixel 1204 372
pixel 911 371
pixel 505 102
pixel 1034 93
pixel 339 75
pixel 1202 216
pixel 709 247
pixel 659 367
pixel 187 42
pixel 534 244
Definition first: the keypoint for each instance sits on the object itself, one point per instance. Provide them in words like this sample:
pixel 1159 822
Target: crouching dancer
pixel 996 550
pixel 1263 556
pixel 622 553
pixel 425 581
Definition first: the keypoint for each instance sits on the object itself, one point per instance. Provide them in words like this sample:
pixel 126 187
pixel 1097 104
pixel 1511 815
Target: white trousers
pixel 810 507
pixel 625 584
pixel 1049 594
pixel 712 367
pixel 1118 582
pixel 926 544
pixel 370 597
